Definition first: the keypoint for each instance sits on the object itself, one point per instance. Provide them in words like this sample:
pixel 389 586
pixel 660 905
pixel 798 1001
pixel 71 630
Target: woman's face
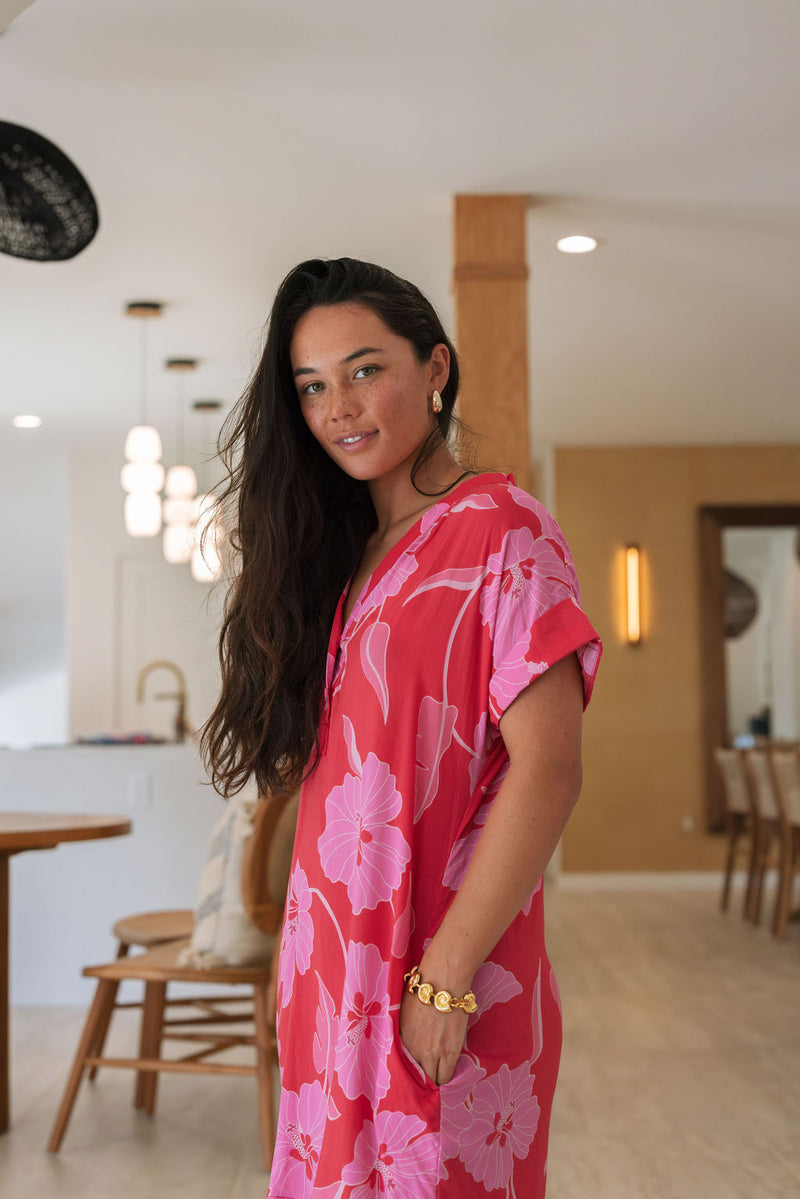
pixel 363 393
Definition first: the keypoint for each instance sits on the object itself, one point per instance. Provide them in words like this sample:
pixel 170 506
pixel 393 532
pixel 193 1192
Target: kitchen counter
pixel 79 894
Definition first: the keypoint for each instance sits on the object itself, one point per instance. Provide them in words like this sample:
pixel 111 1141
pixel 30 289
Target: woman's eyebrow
pixel 360 354
pixel 313 370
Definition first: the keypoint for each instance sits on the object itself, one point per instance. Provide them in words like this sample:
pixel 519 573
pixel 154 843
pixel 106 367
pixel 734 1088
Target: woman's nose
pixel 342 403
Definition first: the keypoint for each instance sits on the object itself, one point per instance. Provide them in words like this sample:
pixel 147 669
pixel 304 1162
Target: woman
pixel 439 738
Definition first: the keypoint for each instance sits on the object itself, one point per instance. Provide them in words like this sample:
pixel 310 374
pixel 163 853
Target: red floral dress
pixel 476 600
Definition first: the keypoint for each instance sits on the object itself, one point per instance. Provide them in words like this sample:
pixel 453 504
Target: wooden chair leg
pixel 99 1015
pixel 150 1045
pixel 97 1050
pixel 733 837
pixel 752 866
pixel 758 893
pixel 762 840
pixel 780 917
pixel 265 1057
pixel 141 1075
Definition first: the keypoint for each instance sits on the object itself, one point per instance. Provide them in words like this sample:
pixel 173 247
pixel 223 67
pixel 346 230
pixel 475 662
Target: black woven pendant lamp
pixel 47 210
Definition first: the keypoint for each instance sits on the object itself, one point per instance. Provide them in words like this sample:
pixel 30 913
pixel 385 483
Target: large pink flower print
pixel 505 1116
pixel 298 934
pixel 365 1026
pixel 359 847
pixel 525 579
pixel 395 1157
pixel 456 1105
pixel 301 1127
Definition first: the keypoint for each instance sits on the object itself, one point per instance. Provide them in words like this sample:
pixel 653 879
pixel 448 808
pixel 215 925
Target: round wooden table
pixel 21 831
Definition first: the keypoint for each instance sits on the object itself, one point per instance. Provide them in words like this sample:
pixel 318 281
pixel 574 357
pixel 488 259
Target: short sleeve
pixel 530 602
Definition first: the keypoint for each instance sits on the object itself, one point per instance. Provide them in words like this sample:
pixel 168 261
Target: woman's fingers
pixel 434 1040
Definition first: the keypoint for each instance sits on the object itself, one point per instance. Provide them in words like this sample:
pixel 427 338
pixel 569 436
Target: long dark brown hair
pixel 297 526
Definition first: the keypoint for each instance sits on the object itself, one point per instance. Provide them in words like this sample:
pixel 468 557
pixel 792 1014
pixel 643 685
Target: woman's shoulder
pixel 495 503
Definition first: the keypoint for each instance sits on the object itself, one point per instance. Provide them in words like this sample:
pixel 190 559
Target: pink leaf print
pixel 394 1156
pixel 429 519
pixel 493 984
pixel 403 928
pixel 460 858
pixel 526 907
pixel 505 1116
pixel 325 1034
pixel 434 734
pixel 373 662
pixel 353 756
pixel 554 989
pixel 481 742
pixel 475 501
pixel 394 579
pixel 365 1026
pixel 301 1127
pixel 462 851
pixel 523 500
pixel 457 578
pixel 298 934
pixel 536 1016
pixel 359 846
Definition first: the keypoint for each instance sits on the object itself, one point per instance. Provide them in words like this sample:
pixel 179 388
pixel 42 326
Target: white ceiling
pixel 227 139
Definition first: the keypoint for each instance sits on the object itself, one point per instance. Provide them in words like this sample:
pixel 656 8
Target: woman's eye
pixel 312 389
pixel 364 372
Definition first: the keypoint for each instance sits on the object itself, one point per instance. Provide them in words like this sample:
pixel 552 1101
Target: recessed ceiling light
pixel 576 244
pixel 26 422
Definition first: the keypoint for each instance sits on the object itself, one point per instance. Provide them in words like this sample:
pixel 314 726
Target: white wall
pixel 126 607
pixel 33 682
pixel 33 500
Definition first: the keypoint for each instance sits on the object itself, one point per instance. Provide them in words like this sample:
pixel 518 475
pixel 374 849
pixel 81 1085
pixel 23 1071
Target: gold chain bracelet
pixel 442 1000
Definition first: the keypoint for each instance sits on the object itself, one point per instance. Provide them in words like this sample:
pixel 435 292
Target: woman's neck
pixel 398 502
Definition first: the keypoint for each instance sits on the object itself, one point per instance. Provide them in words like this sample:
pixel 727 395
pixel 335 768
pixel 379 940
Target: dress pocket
pixel 412 1066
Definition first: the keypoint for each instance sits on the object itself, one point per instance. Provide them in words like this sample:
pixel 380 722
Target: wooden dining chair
pixel 768 829
pixel 739 821
pixel 785 765
pixel 214 1030
pixel 144 930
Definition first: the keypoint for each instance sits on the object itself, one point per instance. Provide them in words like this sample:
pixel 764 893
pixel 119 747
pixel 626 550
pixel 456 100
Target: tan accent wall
pixel 490 287
pixel 643 768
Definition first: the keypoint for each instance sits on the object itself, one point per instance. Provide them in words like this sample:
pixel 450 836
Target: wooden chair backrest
pixel 267 860
pixel 734 779
pixel 786 769
pixel 764 795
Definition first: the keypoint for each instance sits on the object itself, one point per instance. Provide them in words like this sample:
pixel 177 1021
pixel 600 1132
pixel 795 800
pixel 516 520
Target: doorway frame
pixel 713 520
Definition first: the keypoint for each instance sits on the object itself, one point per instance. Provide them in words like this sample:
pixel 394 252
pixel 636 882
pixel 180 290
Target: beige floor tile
pixel 680 1074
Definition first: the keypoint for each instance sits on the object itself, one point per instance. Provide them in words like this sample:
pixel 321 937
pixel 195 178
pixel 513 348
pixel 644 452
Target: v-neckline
pixel 340 625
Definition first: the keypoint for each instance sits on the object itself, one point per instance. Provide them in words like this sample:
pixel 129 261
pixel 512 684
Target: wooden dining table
pixel 20 832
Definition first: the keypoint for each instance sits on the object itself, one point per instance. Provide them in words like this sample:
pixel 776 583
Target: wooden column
pixel 490 286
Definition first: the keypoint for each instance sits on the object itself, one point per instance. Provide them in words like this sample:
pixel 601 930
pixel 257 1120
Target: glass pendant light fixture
pixel 181 482
pixel 142 476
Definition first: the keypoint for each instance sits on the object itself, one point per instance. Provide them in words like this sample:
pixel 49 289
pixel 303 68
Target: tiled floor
pixel 680 1077
pixel 681 1068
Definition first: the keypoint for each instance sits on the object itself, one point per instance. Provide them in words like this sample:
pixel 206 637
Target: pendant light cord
pixel 180 416
pixel 143 370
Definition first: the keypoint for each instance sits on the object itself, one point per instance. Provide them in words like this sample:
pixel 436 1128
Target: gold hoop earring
pixel 436 402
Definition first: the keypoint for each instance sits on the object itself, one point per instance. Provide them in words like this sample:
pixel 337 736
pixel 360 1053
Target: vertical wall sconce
pixel 633 624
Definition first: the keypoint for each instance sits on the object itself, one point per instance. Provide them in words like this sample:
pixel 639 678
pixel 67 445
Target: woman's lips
pixel 354 442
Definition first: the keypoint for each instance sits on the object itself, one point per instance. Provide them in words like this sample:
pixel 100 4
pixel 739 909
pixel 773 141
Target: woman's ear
pixel 439 367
